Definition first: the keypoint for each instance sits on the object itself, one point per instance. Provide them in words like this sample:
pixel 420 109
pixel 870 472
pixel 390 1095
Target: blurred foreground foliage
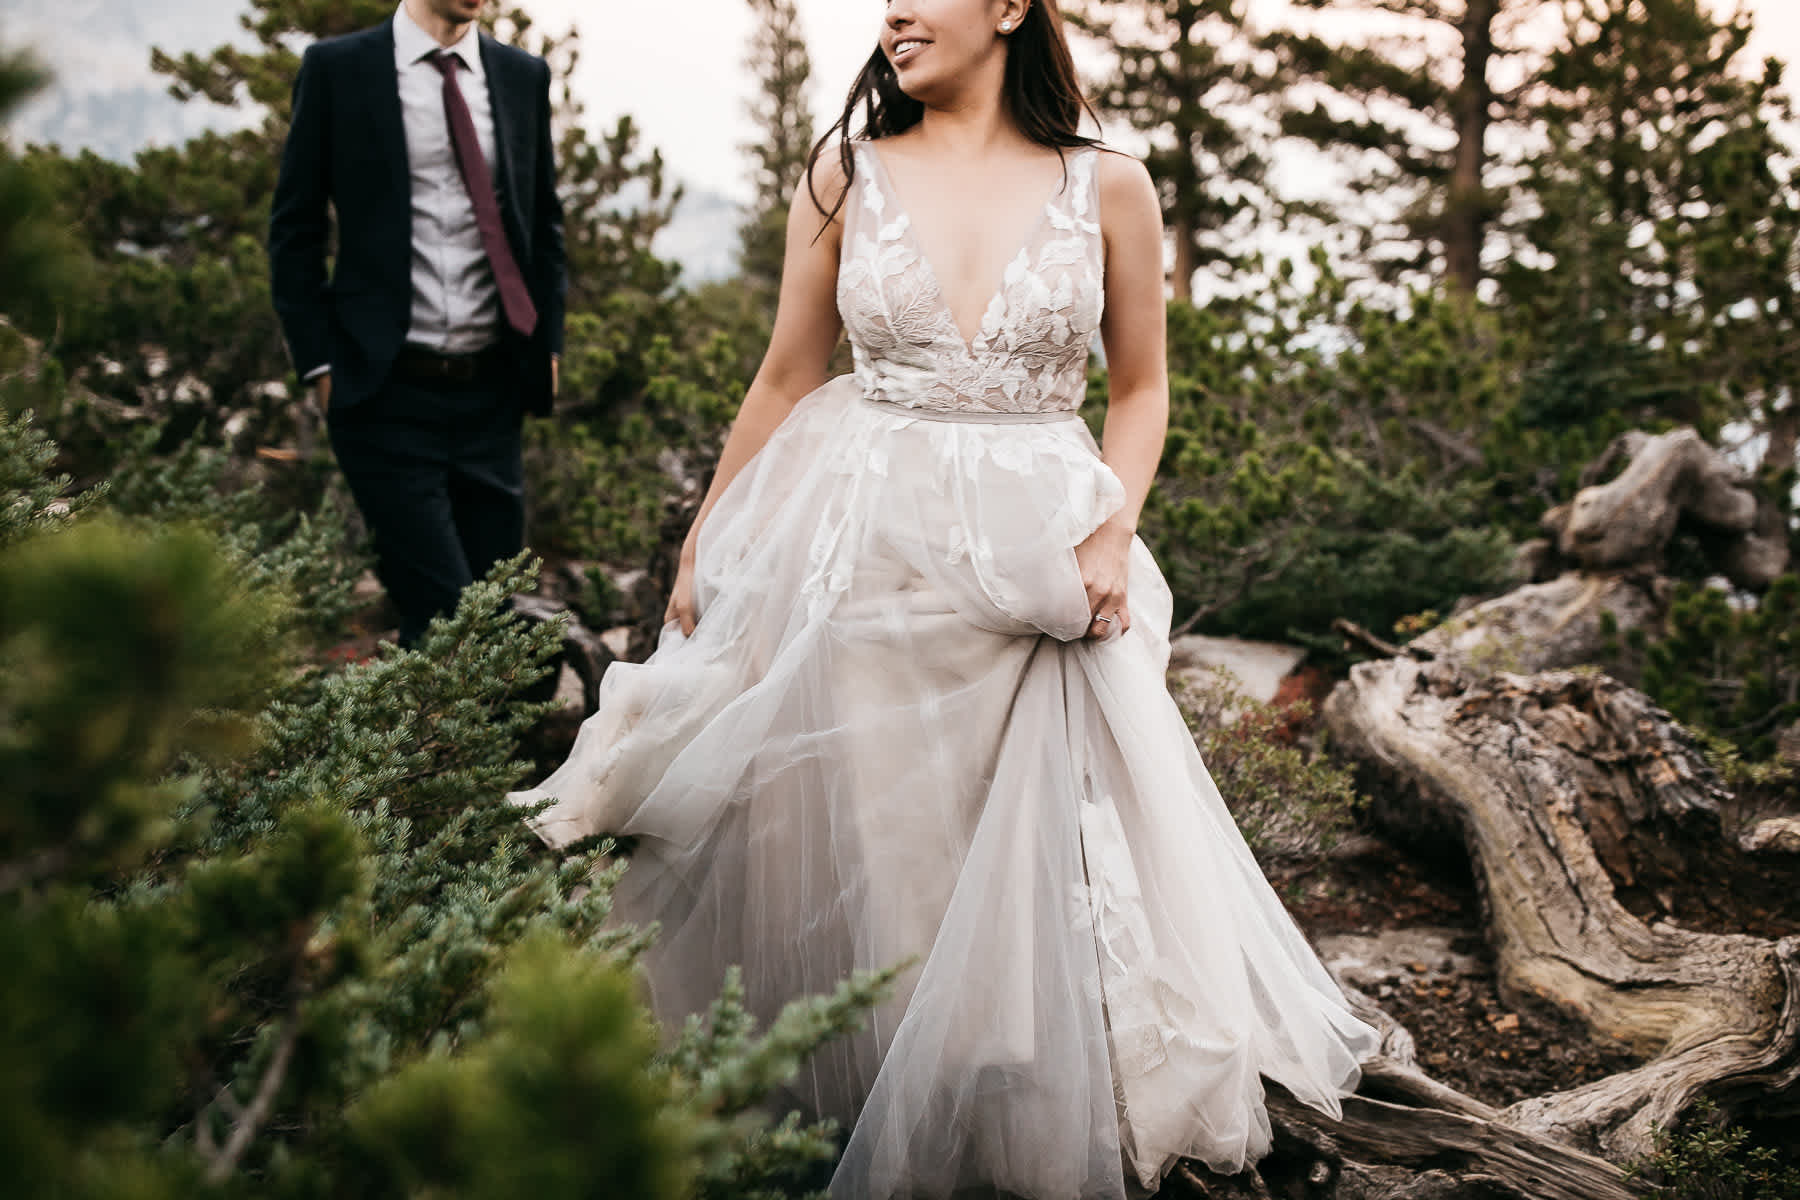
pixel 271 929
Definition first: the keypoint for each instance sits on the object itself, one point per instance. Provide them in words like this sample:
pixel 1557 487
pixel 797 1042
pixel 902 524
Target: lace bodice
pixel 1030 354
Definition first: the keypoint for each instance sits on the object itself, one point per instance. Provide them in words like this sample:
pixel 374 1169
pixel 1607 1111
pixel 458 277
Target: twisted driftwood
pixel 1561 786
pixel 1557 784
pixel 1668 479
pixel 1597 574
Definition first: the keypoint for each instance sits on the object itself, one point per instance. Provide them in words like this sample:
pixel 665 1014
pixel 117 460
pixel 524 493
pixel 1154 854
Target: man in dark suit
pixel 440 324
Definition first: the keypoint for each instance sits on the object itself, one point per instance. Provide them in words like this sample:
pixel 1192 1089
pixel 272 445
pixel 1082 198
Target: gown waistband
pixel 977 416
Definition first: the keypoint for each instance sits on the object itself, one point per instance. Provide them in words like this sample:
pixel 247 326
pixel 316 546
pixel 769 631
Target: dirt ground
pixel 1438 978
pixel 1467 1035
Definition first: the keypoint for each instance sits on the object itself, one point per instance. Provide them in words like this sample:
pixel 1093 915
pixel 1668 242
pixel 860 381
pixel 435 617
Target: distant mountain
pixel 104 97
pixel 703 237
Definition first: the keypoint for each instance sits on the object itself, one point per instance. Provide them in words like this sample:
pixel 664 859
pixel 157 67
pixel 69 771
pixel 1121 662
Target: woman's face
pixel 934 45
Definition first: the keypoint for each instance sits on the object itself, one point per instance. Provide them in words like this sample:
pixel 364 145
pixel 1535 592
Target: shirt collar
pixel 412 43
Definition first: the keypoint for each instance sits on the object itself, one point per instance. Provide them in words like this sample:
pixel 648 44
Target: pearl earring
pixel 1006 27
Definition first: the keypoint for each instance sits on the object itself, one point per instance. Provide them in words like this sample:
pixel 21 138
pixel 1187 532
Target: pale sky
pixel 678 67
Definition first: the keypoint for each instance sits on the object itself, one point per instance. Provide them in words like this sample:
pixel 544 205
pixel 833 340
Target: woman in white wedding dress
pixel 911 704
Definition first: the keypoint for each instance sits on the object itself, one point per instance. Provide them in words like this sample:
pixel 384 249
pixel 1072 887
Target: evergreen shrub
pixel 273 932
pixel 1290 802
pixel 1297 486
pixel 1728 666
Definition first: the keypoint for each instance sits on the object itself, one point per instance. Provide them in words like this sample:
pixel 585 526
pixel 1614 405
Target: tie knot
pixel 445 61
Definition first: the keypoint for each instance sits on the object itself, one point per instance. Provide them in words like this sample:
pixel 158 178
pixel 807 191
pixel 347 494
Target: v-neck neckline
pixel 969 344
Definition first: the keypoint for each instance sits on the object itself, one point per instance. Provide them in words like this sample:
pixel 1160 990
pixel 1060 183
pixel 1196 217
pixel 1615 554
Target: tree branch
pixel 251 1118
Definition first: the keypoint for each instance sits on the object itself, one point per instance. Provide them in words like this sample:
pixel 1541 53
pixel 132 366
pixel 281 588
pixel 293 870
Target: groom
pixel 440 323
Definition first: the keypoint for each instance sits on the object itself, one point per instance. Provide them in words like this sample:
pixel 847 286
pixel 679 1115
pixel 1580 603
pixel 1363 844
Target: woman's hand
pixel 1105 561
pixel 681 596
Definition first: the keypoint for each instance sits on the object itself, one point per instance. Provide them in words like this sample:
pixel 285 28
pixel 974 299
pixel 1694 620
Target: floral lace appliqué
pixel 1030 354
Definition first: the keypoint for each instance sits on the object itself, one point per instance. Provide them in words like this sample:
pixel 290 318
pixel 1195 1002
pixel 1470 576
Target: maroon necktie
pixel 515 298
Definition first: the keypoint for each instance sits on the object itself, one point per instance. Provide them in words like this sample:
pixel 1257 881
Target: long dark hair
pixel 1041 92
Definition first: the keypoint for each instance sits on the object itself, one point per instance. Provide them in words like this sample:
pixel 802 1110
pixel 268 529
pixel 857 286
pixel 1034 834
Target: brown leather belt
pixel 417 364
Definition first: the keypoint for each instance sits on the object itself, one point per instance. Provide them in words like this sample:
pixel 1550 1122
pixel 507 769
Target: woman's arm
pixel 806 332
pixel 1134 334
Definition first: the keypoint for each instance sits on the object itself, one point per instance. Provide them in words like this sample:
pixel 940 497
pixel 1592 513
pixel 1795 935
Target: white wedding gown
pixel 885 741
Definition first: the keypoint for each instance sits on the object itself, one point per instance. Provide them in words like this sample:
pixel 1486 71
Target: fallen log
pixel 1405 1136
pixel 1557 784
pixel 1572 619
pixel 1668 479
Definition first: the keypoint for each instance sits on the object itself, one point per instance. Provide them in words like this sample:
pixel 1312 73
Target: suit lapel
pixel 389 199
pixel 387 122
pixel 505 100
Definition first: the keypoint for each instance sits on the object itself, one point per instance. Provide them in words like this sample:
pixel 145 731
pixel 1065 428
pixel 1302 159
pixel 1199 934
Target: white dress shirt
pixel 456 306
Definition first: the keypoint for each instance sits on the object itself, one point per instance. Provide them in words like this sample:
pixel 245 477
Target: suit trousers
pixel 437 471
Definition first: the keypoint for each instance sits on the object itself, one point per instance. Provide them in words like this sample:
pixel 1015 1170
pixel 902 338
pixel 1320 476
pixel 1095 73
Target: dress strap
pixel 1086 201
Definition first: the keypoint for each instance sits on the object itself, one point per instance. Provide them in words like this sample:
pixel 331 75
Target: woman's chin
pixel 919 85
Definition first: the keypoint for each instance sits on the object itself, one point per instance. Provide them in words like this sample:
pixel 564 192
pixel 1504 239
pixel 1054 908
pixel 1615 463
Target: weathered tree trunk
pixel 1667 479
pixel 1564 788
pixel 1541 626
pixel 1466 207
pixel 1406 1137
pixel 1181 274
pixel 1554 783
pixel 1598 577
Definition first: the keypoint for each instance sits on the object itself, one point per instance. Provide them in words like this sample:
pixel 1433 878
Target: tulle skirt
pixel 885 742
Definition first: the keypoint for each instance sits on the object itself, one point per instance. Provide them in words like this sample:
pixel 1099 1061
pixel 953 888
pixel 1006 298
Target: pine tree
pixel 272 931
pixel 783 69
pixel 1301 483
pixel 1390 95
pixel 1187 73
pixel 35 254
pixel 1665 283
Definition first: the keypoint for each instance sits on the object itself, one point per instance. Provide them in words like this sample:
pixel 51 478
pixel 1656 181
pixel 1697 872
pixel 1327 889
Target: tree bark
pixel 1666 479
pixel 1181 276
pixel 1554 782
pixel 1466 207
pixel 1562 622
pixel 1569 792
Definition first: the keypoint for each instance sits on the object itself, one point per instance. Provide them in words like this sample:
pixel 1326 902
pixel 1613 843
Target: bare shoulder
pixel 1126 190
pixel 824 184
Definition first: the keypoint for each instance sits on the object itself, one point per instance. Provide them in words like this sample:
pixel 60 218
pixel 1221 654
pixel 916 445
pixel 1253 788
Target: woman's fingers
pixel 682 613
pixel 1111 616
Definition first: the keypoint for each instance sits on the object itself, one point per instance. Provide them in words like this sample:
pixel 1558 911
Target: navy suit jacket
pixel 346 153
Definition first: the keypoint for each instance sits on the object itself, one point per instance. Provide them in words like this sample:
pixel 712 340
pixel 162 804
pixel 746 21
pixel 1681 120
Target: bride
pixel 910 704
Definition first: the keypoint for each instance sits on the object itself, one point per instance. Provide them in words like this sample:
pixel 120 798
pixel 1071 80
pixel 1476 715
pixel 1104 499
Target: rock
pixel 1787 745
pixel 617 640
pixel 1368 960
pixel 628 594
pixel 1775 835
pixel 571 692
pixel 1535 561
pixel 1254 668
pixel 584 651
